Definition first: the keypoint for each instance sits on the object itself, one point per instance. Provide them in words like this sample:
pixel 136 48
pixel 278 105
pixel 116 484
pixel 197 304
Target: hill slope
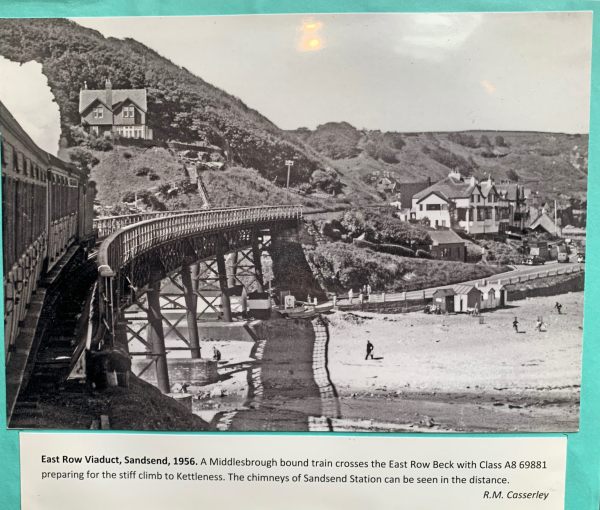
pixel 551 163
pixel 182 106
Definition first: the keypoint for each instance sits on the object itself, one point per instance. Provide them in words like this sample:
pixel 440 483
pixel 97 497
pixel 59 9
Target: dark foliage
pixel 383 227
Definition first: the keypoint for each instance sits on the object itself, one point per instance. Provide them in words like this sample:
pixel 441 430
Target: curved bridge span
pixel 207 255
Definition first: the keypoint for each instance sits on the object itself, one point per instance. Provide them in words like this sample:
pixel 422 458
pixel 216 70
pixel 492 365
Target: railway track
pixel 59 333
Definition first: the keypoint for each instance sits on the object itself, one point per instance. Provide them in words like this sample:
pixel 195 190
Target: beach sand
pixel 451 372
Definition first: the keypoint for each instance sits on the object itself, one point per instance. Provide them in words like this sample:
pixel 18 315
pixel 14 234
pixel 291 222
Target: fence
pixel 539 274
pixel 396 302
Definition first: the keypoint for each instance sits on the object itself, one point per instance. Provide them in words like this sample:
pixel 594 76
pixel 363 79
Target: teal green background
pixel 583 465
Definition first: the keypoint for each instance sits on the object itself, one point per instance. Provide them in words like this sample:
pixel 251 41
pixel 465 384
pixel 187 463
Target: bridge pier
pixel 189 276
pixel 256 259
pixel 222 269
pixel 232 263
pixel 291 270
pixel 156 336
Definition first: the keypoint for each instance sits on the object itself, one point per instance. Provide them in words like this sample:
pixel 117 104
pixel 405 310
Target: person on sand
pixel 369 350
pixel 350 295
pixel 516 325
pixel 558 307
pixel 538 325
pixel 216 354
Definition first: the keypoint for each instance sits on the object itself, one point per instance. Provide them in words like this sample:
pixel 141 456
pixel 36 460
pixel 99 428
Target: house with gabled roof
pixel 515 196
pixel 120 111
pixel 462 203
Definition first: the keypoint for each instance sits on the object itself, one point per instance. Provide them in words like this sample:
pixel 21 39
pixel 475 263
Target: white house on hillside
pixel 465 204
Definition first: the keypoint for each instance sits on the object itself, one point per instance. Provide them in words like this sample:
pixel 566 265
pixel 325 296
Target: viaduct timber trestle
pixel 190 249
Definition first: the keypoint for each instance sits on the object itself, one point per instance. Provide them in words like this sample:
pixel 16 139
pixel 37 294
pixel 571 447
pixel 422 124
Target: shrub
pixel 127 155
pixel 326 180
pixel 164 188
pixel 305 188
pixel 148 199
pixel 143 171
pixel 396 249
pixel 361 243
pixel 78 135
pixel 383 227
pixel 422 254
pixel 100 143
pixel 83 159
pixel 153 176
pixel 342 266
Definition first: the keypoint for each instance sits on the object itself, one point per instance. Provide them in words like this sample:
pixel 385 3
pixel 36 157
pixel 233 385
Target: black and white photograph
pixel 297 223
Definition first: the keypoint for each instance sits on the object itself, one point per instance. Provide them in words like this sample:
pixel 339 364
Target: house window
pixel 420 207
pixel 446 253
pixel 98 112
pixel 128 112
pixel 434 207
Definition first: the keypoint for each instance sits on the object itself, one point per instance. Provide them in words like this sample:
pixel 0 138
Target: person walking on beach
pixel 369 350
pixel 216 354
pixel 558 307
pixel 516 325
pixel 350 295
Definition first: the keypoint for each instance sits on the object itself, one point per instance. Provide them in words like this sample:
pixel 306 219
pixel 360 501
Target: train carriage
pixel 44 212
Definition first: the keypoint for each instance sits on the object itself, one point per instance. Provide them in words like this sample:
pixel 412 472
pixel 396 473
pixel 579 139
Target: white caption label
pixel 74 471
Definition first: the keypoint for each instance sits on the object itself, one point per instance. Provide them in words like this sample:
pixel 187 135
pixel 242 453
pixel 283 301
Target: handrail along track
pixel 123 246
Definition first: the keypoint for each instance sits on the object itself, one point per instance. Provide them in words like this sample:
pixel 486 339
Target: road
pixel 518 271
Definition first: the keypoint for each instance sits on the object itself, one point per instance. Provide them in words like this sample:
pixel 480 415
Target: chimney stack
pixel 108 87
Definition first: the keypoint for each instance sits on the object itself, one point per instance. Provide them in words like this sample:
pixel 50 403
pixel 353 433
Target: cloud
pixel 431 36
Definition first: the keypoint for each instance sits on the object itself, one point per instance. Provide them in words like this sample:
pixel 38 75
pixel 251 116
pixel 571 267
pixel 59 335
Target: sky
pixel 400 72
pixel 394 72
pixel 25 92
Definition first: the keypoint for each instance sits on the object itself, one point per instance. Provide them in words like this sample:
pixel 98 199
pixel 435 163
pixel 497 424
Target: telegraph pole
pixel 289 163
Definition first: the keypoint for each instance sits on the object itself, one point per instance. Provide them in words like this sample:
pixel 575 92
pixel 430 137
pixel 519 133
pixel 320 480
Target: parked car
pixel 534 260
pixel 581 258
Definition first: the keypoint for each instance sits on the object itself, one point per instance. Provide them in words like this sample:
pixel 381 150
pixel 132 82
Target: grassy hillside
pixel 126 172
pixel 182 106
pixel 551 163
pixel 341 266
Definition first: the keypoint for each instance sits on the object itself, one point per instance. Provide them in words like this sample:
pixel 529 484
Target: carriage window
pixel 6 153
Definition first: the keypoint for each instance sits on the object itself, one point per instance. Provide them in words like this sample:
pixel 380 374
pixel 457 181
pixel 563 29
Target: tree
pixel 512 175
pixel 83 159
pixel 326 180
pixel 484 141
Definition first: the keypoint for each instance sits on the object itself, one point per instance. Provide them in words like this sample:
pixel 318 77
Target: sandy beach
pixel 451 372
